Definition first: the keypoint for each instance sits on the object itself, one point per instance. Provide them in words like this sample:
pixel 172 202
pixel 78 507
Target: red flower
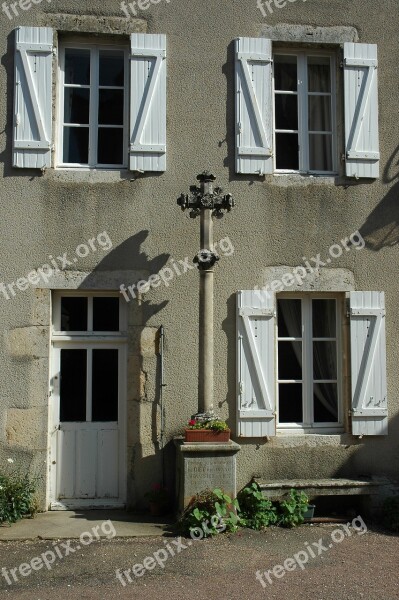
pixel 192 422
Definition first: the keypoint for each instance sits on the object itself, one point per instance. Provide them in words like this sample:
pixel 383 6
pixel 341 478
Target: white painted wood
pixel 254 105
pixel 107 468
pixel 86 461
pixel 256 413
pixel 66 460
pixel 361 110
pixel 147 102
pixel 32 134
pixel 368 363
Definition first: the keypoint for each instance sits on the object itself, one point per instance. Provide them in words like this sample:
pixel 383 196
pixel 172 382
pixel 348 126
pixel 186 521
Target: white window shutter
pixel 33 98
pixel 254 106
pixel 368 360
pixel 361 110
pixel 147 102
pixel 256 412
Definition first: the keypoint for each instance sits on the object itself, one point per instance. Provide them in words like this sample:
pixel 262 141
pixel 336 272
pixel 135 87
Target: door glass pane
pixel 77 66
pixel 324 360
pixel 325 403
pixel 285 73
pixel 290 360
pixel 319 113
pixel 73 314
pixel 319 79
pixel 105 314
pixel 290 403
pixel 289 318
pixel 286 111
pixel 110 146
pixel 110 107
pixel 105 385
pixel 73 378
pixel 112 68
pixel 287 151
pixel 76 106
pixel 76 145
pixel 320 152
pixel 324 318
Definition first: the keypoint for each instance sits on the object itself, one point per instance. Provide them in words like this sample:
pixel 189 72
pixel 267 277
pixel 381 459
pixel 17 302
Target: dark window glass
pixel 77 66
pixel 105 314
pixel 290 403
pixel 285 73
pixel 73 385
pixel 105 385
pixel 112 70
pixel 110 107
pixel 289 318
pixel 290 360
pixel 287 151
pixel 325 403
pixel 320 152
pixel 319 79
pixel 324 319
pixel 110 146
pixel 286 111
pixel 319 113
pixel 76 106
pixel 76 145
pixel 324 360
pixel 73 314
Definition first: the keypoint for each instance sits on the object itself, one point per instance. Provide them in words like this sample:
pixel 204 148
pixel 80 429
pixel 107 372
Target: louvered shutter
pixel 256 364
pixel 361 110
pixel 254 106
pixel 147 102
pixel 33 98
pixel 368 363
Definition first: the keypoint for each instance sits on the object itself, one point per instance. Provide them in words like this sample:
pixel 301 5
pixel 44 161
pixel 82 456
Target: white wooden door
pixel 87 436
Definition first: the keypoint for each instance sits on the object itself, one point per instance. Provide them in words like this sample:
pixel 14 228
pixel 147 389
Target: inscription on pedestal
pixel 209 472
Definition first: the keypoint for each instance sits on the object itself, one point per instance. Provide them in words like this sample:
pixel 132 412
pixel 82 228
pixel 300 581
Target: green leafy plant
pixel 214 424
pixel 17 495
pixel 211 511
pixel 291 511
pixel 390 513
pixel 256 511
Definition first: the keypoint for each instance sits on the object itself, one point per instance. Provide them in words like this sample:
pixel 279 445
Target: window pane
pixel 290 360
pixel 320 152
pixel 319 79
pixel 105 385
pixel 286 111
pixel 76 145
pixel 290 403
pixel 73 314
pixel 77 66
pixel 76 106
pixel 289 318
pixel 110 107
pixel 285 73
pixel 112 68
pixel 324 360
pixel 319 113
pixel 110 146
pixel 287 153
pixel 105 314
pixel 73 385
pixel 325 403
pixel 324 318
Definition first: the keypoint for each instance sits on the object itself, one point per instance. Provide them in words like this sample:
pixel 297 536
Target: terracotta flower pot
pixel 206 435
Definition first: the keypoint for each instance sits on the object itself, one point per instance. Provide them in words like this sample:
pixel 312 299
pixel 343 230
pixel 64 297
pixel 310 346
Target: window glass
pixel 285 73
pixel 105 385
pixel 290 403
pixel 105 314
pixel 76 145
pixel 73 377
pixel 77 66
pixel 73 313
pixel 112 68
pixel 76 106
pixel 325 403
pixel 287 151
pixel 319 77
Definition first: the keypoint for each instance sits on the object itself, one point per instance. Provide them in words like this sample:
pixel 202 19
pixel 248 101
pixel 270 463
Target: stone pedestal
pixel 203 466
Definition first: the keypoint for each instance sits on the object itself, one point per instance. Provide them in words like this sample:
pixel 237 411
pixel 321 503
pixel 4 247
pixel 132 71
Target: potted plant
pixel 158 499
pixel 206 430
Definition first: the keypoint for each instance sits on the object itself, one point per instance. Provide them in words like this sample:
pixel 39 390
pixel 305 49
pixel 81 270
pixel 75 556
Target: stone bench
pixel 276 489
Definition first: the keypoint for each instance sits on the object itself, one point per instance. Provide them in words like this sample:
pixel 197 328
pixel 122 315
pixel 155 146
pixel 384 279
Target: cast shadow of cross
pixel 381 228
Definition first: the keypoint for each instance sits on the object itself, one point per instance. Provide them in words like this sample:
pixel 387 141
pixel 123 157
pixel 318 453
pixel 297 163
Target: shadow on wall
pixel 127 264
pixel 382 226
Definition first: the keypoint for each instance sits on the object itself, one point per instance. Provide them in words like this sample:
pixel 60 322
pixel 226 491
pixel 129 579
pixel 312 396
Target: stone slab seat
pixel 319 487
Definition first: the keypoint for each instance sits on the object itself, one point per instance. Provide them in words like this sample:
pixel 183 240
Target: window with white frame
pixel 304 112
pixel 93 106
pixel 308 363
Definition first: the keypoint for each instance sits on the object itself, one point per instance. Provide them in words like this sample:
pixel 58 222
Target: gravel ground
pixel 361 565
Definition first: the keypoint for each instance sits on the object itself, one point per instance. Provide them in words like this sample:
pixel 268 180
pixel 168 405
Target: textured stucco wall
pixel 276 222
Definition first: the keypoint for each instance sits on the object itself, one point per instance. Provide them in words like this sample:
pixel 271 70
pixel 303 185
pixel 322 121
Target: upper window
pixel 93 111
pixel 304 112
